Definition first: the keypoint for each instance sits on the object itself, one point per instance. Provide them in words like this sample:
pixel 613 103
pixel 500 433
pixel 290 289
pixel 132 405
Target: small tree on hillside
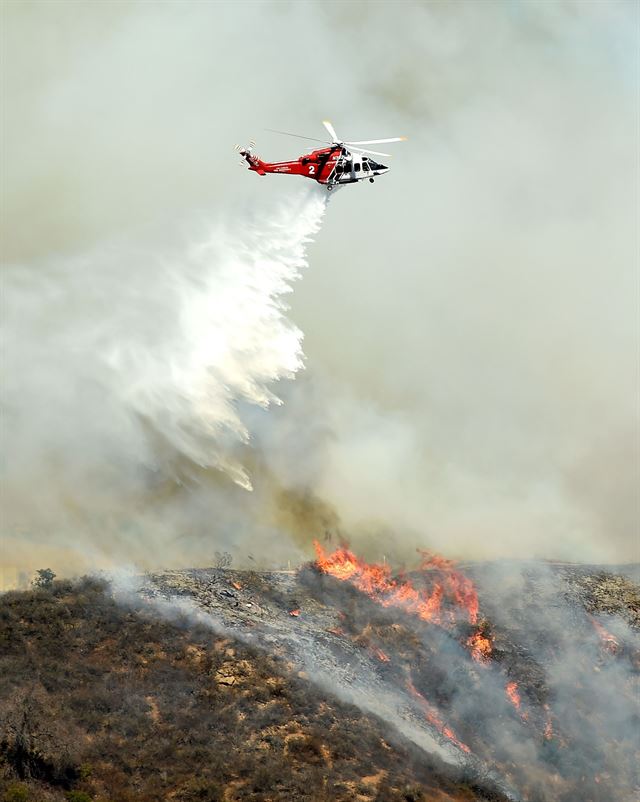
pixel 44 578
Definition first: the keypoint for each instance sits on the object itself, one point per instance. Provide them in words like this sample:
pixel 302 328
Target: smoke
pixel 549 713
pixel 126 372
pixel 470 323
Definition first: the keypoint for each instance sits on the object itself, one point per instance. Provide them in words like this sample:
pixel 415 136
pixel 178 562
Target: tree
pixel 44 578
pixel 35 743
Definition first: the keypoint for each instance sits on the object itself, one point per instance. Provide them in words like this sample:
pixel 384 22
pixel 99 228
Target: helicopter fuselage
pixel 331 166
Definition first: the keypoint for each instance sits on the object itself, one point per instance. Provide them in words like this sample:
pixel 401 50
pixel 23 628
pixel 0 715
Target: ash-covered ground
pixel 527 678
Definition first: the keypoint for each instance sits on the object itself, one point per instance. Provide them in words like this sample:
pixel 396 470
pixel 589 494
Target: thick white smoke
pixel 471 324
pixel 125 369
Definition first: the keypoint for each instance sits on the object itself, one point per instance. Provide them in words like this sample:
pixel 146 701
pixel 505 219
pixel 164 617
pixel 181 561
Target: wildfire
pixel 382 656
pixel 434 719
pixel 377 582
pixel 480 647
pixel 295 613
pixel 337 631
pixel 459 587
pixel 513 694
pixel 608 641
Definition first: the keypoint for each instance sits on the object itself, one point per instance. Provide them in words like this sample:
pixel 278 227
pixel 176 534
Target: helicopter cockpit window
pixel 356 167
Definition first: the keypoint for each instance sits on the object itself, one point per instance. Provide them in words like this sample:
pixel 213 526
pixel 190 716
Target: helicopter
pixel 336 164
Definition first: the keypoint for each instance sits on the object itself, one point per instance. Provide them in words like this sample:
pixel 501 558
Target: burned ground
pixel 110 701
pixel 234 685
pixel 550 712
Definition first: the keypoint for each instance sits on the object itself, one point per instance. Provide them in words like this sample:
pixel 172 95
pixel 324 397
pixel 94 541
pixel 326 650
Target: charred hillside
pixel 522 675
pixel 109 701
pixel 340 681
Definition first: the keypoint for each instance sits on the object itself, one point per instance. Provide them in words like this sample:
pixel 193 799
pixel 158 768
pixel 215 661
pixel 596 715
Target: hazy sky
pixel 470 320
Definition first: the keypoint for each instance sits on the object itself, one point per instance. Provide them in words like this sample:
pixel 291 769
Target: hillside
pixel 521 673
pixel 339 682
pixel 110 702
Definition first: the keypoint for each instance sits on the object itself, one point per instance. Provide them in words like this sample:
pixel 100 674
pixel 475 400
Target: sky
pixel 468 324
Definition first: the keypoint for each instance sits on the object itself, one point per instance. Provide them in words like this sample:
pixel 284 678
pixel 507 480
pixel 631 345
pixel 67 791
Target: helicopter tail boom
pixel 313 165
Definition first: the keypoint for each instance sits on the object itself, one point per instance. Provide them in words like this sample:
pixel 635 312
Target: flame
pixel 237 585
pixel 377 582
pixel 608 641
pixel 337 631
pixel 461 588
pixel 513 694
pixel 382 656
pixel 434 719
pixel 295 612
pixel 480 647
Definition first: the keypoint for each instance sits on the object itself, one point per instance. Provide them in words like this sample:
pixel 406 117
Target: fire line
pixel 377 582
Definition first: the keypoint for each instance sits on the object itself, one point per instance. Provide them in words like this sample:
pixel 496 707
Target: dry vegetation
pixel 106 703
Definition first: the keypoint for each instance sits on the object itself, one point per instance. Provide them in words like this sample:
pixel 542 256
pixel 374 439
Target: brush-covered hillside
pixel 110 702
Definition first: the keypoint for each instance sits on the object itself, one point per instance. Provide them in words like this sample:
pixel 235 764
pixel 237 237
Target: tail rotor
pixel 245 152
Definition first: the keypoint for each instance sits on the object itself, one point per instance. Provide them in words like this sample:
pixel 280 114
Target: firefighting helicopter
pixel 338 164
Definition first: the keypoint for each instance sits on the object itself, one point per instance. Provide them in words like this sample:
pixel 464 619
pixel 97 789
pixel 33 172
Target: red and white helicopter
pixel 339 163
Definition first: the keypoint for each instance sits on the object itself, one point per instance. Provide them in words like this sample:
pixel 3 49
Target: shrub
pixel 16 793
pixel 307 749
pixel 202 791
pixel 413 793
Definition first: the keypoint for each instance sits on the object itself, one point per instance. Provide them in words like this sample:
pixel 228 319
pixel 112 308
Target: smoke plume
pixel 127 371
pixel 470 322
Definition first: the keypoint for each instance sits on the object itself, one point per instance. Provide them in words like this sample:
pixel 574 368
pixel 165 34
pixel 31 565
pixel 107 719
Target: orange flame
pixel 513 694
pixel 607 640
pixel 460 588
pixel 337 631
pixel 434 719
pixel 382 656
pixel 480 647
pixel 294 613
pixel 376 581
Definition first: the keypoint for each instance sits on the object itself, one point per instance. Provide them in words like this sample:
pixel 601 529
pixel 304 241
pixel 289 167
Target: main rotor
pixel 335 140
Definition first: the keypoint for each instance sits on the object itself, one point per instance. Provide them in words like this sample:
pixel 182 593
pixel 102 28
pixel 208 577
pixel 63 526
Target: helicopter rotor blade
pixel 366 150
pixel 331 130
pixel 378 141
pixel 298 136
